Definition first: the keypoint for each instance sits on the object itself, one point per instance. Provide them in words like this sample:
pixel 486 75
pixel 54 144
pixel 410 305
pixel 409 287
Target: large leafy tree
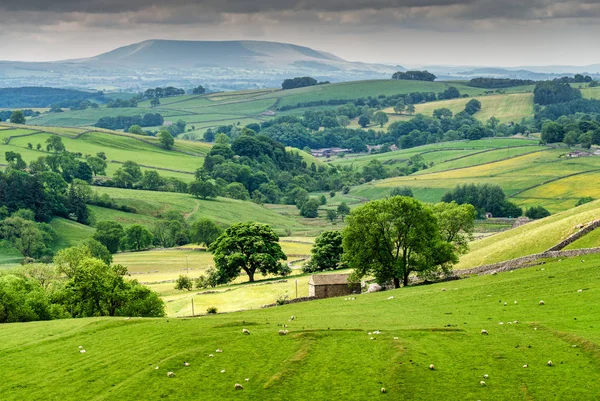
pixel 249 247
pixel 326 253
pixel 205 231
pixel 456 223
pixel 137 237
pixel 110 234
pixel 391 238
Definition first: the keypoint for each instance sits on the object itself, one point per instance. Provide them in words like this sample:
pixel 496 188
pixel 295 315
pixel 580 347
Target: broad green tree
pixel 203 189
pixel 17 117
pixel 381 118
pixel 456 223
pixel 343 209
pixel 326 253
pixel 249 247
pixel 205 231
pixel 138 237
pixel 166 139
pixel 392 238
pixel 110 234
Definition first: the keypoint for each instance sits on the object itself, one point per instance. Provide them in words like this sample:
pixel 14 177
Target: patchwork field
pixel 545 178
pixel 419 326
pixel 245 107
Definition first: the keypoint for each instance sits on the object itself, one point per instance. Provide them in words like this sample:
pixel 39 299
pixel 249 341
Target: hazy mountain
pixel 217 64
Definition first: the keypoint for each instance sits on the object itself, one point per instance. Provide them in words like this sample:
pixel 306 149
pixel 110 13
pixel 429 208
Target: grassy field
pixel 245 107
pixel 545 178
pixel 181 162
pixel 506 108
pixel 41 360
pixel 534 237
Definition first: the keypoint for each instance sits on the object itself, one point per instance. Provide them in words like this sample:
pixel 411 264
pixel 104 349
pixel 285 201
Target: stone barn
pixel 331 285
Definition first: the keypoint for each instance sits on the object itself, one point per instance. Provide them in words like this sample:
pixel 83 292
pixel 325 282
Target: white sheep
pixel 486 376
pixel 505 304
pixel 282 332
pixel 245 331
pixel 82 351
pixel 580 290
pixel 223 371
pixel 81 346
pixel 293 317
pixel 377 332
pixel 247 379
pixel 219 350
pixel 516 322
pixel 170 374
pixel 392 297
pixel 156 368
pixel 549 363
pixel 395 338
pixel 373 338
pixel 431 367
pixel 484 332
pixel 443 289
pixel 186 364
pixel 482 383
pixel 516 302
pixel 210 355
pixel 383 390
pixel 542 303
pixel 525 366
pixel 238 386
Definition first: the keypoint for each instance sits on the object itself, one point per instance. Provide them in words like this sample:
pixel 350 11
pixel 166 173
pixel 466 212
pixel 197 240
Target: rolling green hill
pixel 180 162
pixel 529 177
pixel 438 324
pixel 245 107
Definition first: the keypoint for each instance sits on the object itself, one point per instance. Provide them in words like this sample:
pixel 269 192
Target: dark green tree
pixel 326 253
pixel 343 210
pixel 249 247
pixel 17 117
pixel 166 139
pixel 205 231
pixel 110 234
pixel 137 237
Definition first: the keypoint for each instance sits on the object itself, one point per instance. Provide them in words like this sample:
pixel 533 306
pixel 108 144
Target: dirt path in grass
pixel 190 214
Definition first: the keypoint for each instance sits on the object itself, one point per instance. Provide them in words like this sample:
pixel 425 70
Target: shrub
pixel 211 310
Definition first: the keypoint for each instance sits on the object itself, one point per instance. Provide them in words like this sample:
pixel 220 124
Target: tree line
pixel 414 76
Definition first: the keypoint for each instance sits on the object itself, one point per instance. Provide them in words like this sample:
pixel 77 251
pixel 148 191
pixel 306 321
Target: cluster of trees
pixel 199 90
pixel 125 122
pixel 170 230
pixel 39 97
pixel 81 282
pixel 17 116
pixel 300 82
pixel 159 93
pixel 122 103
pixel 414 76
pixel 486 198
pixel 552 92
pixel 19 229
pixel 130 176
pixel 573 129
pixel 577 78
pixel 495 83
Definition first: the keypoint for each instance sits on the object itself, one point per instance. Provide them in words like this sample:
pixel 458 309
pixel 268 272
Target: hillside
pixel 432 326
pixel 245 107
pixel 545 177
pixel 535 237
pixel 180 162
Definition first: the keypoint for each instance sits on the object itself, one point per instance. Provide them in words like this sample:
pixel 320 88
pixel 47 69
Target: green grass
pixel 506 108
pixel 529 180
pixel 590 240
pixel 69 233
pixel 534 237
pixel 41 360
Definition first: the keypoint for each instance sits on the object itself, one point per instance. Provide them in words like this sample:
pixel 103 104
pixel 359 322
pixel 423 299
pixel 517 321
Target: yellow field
pixel 506 108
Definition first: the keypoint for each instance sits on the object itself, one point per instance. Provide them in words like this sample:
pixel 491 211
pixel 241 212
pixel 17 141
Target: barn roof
pixel 328 279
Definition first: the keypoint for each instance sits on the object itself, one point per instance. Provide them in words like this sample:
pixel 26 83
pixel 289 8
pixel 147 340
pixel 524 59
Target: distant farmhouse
pixel 328 152
pixel 331 285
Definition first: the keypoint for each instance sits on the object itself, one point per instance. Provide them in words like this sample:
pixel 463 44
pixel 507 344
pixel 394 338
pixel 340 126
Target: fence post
pixel 193 314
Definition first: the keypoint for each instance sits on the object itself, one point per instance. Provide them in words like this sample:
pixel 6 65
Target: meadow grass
pixel 534 237
pixel 69 233
pixel 590 240
pixel 328 353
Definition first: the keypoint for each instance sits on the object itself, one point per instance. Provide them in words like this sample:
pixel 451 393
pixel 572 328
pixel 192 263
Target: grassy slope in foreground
pixel 534 237
pixel 328 353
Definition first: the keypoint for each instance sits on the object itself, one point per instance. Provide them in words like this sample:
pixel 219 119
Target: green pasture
pixel 534 237
pixel 329 353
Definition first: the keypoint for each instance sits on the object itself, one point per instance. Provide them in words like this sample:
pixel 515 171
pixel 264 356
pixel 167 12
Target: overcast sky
pixel 408 32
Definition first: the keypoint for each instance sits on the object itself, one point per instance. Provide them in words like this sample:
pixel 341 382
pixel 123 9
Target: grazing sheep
pixel 542 303
pixel 525 366
pixel 170 374
pixel 245 331
pixel 223 371
pixel 369 333
pixel 395 338
pixel 186 364
pixel 482 383
pixel 443 289
pixel 285 325
pixel 516 322
pixel 282 332
pixel 82 351
pixel 373 338
pixel 484 332
pixel 392 297
pixel 81 346
pixel 505 304
pixel 247 379
pixel 156 368
pixel 579 290
pixel 377 332
pixel 516 302
pixel 219 350
pixel 501 323
pixel 549 363
pixel 293 317
pixel 238 386
pixel 431 367
pixel 486 376
pixel 383 390
pixel 210 355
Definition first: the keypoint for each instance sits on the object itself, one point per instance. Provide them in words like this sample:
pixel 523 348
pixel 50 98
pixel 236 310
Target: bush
pixel 584 200
pixel 211 310
pixel 537 212
pixel 183 283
